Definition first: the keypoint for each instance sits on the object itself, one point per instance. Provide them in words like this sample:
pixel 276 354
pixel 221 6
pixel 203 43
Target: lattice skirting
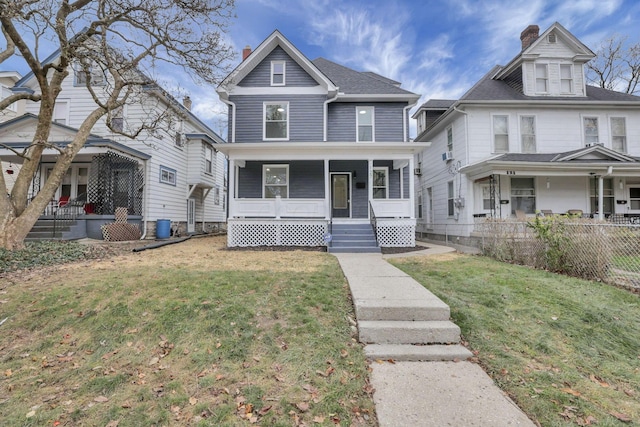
pixel 396 232
pixel 276 232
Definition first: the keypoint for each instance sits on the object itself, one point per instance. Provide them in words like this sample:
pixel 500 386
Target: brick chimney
pixel 529 35
pixel 246 52
pixel 186 101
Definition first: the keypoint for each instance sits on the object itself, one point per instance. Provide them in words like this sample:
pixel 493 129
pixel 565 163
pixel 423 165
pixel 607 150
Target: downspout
pixel 326 117
pixel 466 151
pixel 145 218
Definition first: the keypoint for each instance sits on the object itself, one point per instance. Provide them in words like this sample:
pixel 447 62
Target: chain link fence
pixel 586 248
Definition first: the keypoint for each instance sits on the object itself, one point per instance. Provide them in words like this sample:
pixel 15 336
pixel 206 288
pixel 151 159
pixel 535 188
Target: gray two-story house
pixel 315 147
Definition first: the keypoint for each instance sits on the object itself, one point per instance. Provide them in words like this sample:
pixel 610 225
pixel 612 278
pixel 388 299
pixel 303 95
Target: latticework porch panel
pixel 396 232
pixel 276 232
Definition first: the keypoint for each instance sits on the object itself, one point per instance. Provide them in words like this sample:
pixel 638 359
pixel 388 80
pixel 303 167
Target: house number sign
pixel 511 172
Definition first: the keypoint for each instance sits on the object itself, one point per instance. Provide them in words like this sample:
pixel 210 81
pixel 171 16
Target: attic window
pixel 277 73
pixel 551 38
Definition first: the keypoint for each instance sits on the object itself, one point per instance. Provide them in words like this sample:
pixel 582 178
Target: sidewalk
pixel 427 393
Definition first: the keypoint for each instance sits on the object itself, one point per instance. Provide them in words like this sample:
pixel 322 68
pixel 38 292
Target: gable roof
pixel 260 53
pixel 596 153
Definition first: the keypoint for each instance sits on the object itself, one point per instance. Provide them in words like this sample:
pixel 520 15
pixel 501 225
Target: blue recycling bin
pixel 163 228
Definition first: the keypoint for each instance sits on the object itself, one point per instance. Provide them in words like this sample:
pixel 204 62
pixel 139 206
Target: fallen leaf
pixel 318 420
pixel 264 410
pixel 101 399
pixel 344 353
pixel 629 392
pixel 621 417
pixel 31 414
pixel 218 345
pixel 302 406
pixel 598 380
pixel 193 401
pixel 571 391
pixel 113 423
pixel 8 373
pixel 154 360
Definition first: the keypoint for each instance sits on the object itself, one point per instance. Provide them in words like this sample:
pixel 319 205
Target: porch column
pixel 327 190
pixel 600 197
pixel 369 185
pixel 231 192
pixel 412 194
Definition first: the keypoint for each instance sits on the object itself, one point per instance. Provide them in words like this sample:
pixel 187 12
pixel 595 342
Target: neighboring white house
pixel 315 147
pixel 174 173
pixel 7 80
pixel 529 137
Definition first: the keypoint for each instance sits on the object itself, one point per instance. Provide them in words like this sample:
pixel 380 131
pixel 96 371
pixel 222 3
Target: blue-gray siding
pixel 306 179
pixel 305 117
pixel 295 75
pixel 388 121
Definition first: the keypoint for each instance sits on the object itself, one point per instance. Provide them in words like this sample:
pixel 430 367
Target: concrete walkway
pixel 423 393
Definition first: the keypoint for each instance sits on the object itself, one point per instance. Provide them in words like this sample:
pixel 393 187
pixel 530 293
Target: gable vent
pixel 551 38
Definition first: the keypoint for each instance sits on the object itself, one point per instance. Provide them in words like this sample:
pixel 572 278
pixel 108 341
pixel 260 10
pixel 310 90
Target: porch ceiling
pixel 321 150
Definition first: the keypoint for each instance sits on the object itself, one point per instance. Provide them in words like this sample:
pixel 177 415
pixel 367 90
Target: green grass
pixel 566 350
pixel 204 345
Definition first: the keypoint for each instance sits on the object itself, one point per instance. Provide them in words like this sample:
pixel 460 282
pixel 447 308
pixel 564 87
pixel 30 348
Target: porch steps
pixel 43 230
pixel 353 238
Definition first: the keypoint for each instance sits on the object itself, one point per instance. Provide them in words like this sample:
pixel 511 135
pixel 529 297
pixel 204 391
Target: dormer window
pixel 278 73
pixel 542 78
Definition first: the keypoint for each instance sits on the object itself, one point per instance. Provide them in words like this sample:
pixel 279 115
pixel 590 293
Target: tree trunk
pixel 13 231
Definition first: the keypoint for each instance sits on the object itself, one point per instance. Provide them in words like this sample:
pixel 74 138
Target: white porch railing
pixel 278 208
pixel 392 208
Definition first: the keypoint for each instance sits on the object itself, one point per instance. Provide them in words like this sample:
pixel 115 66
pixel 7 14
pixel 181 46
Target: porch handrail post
pixel 278 206
pixel 327 190
pixel 231 189
pixel 370 181
pixel 412 199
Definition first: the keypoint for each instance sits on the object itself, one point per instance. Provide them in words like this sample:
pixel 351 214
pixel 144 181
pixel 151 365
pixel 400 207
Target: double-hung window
pixel 566 78
pixel 591 134
pixel 276 121
pixel 61 112
pixel 523 195
pixel 208 159
pixel 167 175
pixel 380 183
pixel 542 78
pixel 365 124
pixel 619 134
pixel 450 139
pixel 117 119
pixel 528 134
pixel 500 134
pixel 278 72
pixel 276 181
pixel 92 73
pixel 450 199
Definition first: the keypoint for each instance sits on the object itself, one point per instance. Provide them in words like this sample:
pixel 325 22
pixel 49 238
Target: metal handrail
pixel 66 214
pixel 373 220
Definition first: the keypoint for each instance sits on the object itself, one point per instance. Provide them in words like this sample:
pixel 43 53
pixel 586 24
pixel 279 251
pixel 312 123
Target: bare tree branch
pixel 616 67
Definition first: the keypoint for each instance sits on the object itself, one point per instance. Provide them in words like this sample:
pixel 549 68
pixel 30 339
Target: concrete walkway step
pixel 355 250
pixel 417 353
pixel 407 332
pixel 401 309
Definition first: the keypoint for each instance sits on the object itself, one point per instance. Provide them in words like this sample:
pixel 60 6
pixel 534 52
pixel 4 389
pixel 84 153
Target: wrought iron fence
pixel 586 248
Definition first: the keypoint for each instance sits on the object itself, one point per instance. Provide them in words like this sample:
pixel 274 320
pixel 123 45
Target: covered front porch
pixel 293 194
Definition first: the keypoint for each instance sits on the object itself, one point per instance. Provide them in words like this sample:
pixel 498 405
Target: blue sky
pixel 437 49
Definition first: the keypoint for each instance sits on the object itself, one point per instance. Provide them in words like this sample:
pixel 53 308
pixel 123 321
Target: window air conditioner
pixel 447 155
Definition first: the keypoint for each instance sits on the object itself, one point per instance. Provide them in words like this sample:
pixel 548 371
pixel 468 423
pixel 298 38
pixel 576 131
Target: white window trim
pixel 373 122
pixel 170 172
pixel 493 133
pixel 449 144
pixel 584 129
pixel 208 155
pixel 264 178
pixel 284 72
pixel 13 106
pixel 571 79
pixel 66 116
pixel 611 135
pixel 535 132
pixel 546 78
pixel 386 181
pixel 264 120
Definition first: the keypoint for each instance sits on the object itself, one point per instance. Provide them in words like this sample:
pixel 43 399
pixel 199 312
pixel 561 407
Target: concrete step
pixel 407 332
pixel 353 243
pixel 416 353
pixel 353 237
pixel 354 249
pixel 423 308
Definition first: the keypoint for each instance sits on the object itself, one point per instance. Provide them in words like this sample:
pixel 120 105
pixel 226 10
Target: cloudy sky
pixel 437 49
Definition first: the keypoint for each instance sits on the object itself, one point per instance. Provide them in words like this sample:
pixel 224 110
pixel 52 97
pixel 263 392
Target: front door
pixel 340 195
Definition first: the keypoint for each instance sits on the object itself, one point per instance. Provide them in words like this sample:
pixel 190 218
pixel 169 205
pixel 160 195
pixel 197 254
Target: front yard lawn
pixel 187 334
pixel 566 350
